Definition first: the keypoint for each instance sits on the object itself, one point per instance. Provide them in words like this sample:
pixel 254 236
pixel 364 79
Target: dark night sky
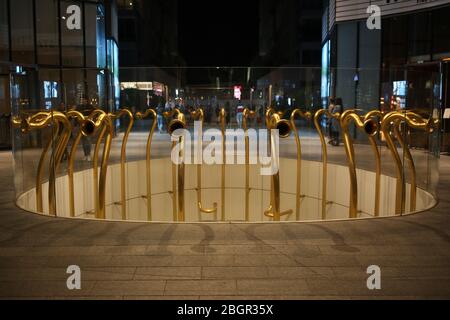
pixel 218 33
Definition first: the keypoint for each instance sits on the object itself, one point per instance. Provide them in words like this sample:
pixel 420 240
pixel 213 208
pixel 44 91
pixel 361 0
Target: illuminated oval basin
pixel 310 209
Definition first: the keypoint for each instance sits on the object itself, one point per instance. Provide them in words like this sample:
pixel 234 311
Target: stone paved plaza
pixel 224 261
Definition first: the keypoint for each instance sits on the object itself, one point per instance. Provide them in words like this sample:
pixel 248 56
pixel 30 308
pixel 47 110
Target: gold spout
pixel 306 115
pixel 282 125
pixel 177 120
pixel 88 127
pixel 148 158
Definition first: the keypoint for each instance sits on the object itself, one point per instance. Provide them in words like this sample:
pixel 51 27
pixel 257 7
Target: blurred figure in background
pixel 62 108
pixel 86 108
pixel 328 121
pixel 160 117
pixel 239 113
pixel 334 127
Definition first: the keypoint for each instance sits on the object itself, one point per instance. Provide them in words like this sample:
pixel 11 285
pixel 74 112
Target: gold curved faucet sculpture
pixel 198 115
pixel 79 117
pixel 99 119
pixel 178 121
pixel 317 117
pixel 41 120
pixel 148 158
pixel 307 116
pixel 413 120
pixel 23 122
pixel 40 169
pixel 284 128
pixel 376 151
pixel 98 142
pixel 370 127
pixel 223 120
pixel 123 156
pixel 247 113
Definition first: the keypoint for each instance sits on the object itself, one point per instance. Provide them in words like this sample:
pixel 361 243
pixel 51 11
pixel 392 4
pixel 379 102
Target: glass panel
pixel 441 30
pixel 113 68
pixel 5 112
pixel 95 38
pixel 394 41
pixel 50 90
pixel 369 64
pixel 419 44
pixel 96 95
pixel 47 32
pixel 74 88
pixel 347 57
pixel 72 34
pixel 22 31
pixel 4 31
pixel 324 175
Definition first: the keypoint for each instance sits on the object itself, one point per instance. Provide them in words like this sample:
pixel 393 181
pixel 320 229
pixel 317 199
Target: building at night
pixel 65 50
pixel 148 36
pixel 289 36
pixel 402 65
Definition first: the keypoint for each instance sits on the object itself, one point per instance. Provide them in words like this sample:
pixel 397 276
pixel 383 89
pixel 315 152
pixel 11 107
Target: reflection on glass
pixel 4 36
pixel 72 33
pixel 47 34
pixel 95 38
pixel 50 96
pixel 22 42
pixel 74 89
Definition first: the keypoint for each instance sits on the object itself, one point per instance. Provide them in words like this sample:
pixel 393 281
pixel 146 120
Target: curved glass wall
pixel 224 144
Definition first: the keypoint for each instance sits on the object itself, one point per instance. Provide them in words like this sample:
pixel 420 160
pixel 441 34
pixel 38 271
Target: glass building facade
pixel 65 50
pixel 402 65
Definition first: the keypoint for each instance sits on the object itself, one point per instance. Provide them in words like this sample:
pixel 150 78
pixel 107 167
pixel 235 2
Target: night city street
pixel 229 157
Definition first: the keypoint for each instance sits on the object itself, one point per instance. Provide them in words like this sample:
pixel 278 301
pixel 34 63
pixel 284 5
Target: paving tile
pixel 272 287
pixel 325 261
pixel 167 272
pixel 140 261
pixel 42 289
pixel 224 261
pixel 333 287
pixel 126 288
pixel 264 260
pixel 200 287
pixel 234 272
pixel 283 272
pixel 178 298
pixel 205 260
